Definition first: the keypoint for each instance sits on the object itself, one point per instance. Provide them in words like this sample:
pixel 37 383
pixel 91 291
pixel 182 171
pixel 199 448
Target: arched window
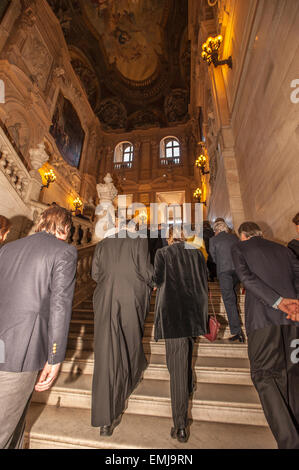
pixel 123 155
pixel 170 151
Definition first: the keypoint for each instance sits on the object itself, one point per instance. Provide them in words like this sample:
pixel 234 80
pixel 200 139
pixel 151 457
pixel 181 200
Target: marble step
pixel 203 347
pixel 87 313
pixel 207 369
pixel 64 428
pixel 236 404
pixel 85 329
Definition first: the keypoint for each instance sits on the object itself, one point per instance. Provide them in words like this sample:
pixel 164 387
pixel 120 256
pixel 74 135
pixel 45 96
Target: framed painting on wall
pixel 67 131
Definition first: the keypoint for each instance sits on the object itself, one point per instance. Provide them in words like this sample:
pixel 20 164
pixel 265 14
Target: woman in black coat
pixel 181 313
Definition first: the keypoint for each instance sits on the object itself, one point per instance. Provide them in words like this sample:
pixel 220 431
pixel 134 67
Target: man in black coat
pixel 220 247
pixel 270 275
pixel 122 270
pixel 181 313
pixel 208 233
pixel 37 279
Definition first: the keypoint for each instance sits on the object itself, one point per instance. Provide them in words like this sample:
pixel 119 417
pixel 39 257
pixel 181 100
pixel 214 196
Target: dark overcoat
pixel 268 271
pixel 123 273
pixel 37 280
pixel 181 308
pixel 220 247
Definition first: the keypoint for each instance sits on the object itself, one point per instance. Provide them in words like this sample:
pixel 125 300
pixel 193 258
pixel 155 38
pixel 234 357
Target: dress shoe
pixel 180 434
pixel 239 338
pixel 108 429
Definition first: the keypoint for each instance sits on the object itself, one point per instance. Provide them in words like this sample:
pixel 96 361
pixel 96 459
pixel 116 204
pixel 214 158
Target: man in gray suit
pixel 220 249
pixel 37 279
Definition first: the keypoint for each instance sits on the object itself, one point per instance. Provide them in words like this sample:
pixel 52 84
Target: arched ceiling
pixel 133 58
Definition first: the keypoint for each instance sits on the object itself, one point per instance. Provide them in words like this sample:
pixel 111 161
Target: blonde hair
pixel 55 220
pixel 220 227
pixel 5 226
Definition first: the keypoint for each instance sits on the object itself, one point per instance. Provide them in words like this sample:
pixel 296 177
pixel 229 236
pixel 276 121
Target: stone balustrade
pixel 13 168
pixel 84 283
pixel 82 232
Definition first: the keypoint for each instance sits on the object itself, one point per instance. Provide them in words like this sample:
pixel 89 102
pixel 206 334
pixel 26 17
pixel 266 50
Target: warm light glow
pixel 143 216
pixel 49 177
pixel 211 46
pixel 77 203
pixel 197 193
pixel 201 161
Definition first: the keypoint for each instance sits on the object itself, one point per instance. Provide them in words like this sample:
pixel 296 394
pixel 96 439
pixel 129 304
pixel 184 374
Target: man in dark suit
pixel 220 249
pixel 208 233
pixel 270 275
pixel 181 313
pixel 37 279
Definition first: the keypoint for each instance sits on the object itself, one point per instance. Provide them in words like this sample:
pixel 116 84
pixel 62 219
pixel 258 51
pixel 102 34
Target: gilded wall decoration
pixel 62 10
pixel 67 131
pixel 143 119
pixel 37 58
pixel 185 58
pixel 89 81
pixel 176 106
pixel 112 114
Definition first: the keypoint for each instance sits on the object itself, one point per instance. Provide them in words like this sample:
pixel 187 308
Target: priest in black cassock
pixel 123 272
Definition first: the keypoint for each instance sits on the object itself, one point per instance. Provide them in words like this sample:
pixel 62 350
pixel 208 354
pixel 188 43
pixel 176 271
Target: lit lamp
pixel 197 195
pixel 201 162
pixel 50 177
pixel 143 217
pixel 77 203
pixel 210 52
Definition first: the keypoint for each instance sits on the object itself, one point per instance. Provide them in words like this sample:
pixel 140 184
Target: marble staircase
pixel 225 407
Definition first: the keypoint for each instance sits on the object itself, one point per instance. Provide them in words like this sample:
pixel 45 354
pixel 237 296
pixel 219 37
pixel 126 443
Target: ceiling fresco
pixel 132 57
pixel 131 33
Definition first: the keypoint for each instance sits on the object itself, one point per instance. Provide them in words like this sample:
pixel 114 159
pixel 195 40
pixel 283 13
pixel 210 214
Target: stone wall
pixel 250 122
pixel 266 122
pixel 35 66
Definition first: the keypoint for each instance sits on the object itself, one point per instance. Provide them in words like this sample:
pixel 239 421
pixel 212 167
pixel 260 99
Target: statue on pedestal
pixel 105 211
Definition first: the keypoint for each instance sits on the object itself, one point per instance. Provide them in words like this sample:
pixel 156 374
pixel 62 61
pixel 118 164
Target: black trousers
pixel 275 374
pixel 179 363
pixel 228 282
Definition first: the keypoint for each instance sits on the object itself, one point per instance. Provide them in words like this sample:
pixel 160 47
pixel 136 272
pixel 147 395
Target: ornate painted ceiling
pixel 132 57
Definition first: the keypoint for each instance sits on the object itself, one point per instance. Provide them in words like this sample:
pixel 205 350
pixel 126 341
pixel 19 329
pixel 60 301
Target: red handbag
pixel 214 325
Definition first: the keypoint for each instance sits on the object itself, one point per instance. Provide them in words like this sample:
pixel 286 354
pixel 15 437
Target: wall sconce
pixel 77 203
pixel 50 177
pixel 210 52
pixel 201 162
pixel 197 195
pixel 143 216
